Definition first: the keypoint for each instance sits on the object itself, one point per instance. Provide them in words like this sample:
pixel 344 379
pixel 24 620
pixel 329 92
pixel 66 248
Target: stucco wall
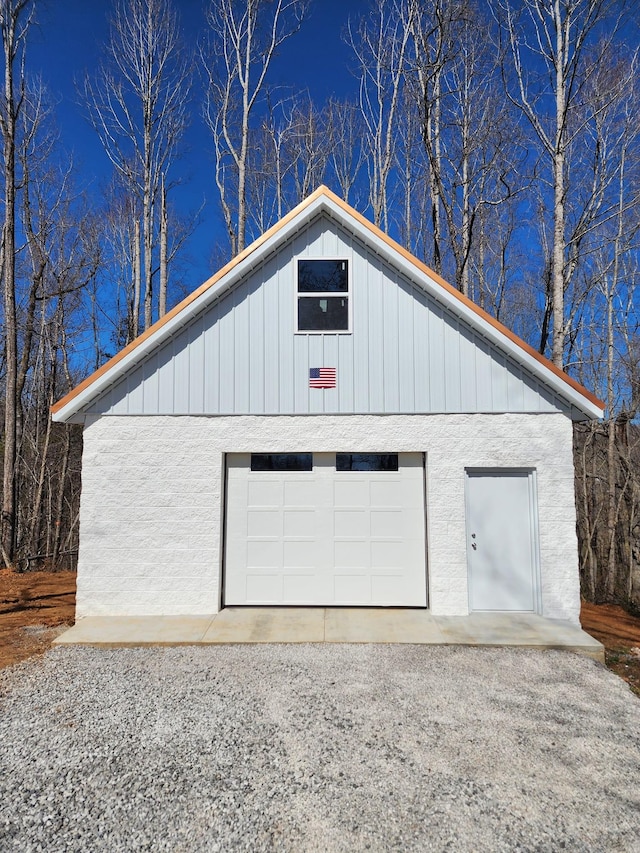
pixel 152 499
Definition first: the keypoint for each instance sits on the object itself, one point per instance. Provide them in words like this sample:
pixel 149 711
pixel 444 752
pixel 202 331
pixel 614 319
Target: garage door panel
pixel 263 588
pixel 388 554
pixel 351 523
pixel 266 522
pixel 298 586
pixel 352 553
pixel 352 589
pixel 350 493
pixel 385 589
pixel 297 493
pixel 389 494
pixel 300 522
pixel 264 494
pixel 387 522
pixel 298 554
pixel 322 537
pixel 264 553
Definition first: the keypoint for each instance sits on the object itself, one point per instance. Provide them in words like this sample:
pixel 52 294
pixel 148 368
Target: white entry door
pixel 325 529
pixel 502 540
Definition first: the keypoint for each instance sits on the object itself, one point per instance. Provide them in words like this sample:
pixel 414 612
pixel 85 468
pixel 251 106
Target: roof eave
pixel 564 385
pixel 112 371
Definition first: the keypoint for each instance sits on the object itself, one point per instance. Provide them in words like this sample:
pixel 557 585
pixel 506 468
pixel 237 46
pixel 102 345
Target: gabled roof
pixel 323 200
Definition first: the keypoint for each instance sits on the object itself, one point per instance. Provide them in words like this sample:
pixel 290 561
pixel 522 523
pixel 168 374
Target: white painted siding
pixel 152 499
pixel 407 353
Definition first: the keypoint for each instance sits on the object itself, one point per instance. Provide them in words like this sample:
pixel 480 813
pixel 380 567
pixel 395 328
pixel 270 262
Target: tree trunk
pixel 242 189
pixel 34 534
pixel 613 507
pixel 147 236
pixel 557 262
pixel 62 481
pixel 162 309
pixel 433 140
pixel 10 15
pixel 463 276
pixel 135 319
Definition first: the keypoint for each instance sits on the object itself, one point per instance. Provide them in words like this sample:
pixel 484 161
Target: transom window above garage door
pixel 322 295
pixel 366 461
pixel 281 462
pixel 343 462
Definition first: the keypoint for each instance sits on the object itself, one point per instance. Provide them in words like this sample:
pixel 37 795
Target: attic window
pixel 322 295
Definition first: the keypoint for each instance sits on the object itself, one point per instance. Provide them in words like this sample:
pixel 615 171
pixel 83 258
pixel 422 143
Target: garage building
pixel 326 422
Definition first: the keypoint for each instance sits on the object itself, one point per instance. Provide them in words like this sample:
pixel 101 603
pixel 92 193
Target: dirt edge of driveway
pixel 37 606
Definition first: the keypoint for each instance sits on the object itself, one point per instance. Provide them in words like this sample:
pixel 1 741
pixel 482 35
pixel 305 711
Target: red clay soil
pixel 619 631
pixel 36 606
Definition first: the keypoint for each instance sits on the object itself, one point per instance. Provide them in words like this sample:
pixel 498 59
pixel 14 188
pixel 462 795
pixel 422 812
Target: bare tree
pixel 245 36
pixel 556 37
pixel 380 44
pixel 344 131
pixel 307 149
pixel 434 46
pixel 614 263
pixel 61 255
pixel 136 103
pixel 50 263
pixel 472 143
pixel 266 171
pixel 411 170
pixel 603 335
pixel 287 159
pixel 15 19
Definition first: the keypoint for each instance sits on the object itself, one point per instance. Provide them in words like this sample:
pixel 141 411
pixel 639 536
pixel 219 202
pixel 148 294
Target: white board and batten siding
pixel 406 353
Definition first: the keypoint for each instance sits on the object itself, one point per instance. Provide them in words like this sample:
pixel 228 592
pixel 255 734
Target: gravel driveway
pixel 317 747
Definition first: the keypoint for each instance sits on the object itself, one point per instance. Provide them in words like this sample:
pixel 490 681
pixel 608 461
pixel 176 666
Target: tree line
pixel 497 141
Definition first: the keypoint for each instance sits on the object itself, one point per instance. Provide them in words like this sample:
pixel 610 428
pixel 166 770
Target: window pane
pixel 366 461
pixel 281 462
pixel 319 314
pixel 323 276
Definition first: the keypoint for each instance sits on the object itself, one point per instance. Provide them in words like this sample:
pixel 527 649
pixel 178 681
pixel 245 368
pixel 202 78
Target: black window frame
pixel 336 295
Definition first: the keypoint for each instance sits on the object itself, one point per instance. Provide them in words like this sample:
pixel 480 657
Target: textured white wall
pixel 151 509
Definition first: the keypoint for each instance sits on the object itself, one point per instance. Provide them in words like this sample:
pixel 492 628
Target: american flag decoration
pixel 322 377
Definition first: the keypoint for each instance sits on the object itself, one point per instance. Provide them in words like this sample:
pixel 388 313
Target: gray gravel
pixel 317 747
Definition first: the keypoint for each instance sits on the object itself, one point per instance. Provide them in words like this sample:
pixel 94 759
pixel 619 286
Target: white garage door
pixel 325 529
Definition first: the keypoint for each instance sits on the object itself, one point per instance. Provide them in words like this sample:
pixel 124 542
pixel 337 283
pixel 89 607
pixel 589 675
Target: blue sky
pixel 68 43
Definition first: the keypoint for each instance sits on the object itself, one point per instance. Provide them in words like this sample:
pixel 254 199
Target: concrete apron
pixel 333 625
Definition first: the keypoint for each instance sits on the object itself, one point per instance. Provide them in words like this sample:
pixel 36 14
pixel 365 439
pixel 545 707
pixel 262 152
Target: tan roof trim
pixel 465 300
pixel 396 247
pixel 108 365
